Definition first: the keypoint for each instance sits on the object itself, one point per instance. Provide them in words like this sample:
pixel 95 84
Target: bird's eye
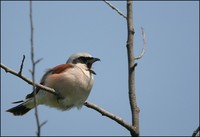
pixel 84 59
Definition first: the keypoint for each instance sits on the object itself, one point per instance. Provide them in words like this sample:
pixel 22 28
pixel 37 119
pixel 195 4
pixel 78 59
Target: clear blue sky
pixel 167 77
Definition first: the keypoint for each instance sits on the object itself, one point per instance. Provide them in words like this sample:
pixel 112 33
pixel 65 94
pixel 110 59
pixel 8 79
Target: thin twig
pixel 43 123
pixel 37 61
pixel 9 70
pixel 114 8
pixel 110 115
pixel 33 70
pixel 22 65
pixel 144 45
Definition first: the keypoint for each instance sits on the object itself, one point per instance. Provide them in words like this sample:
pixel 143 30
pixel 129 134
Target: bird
pixel 72 81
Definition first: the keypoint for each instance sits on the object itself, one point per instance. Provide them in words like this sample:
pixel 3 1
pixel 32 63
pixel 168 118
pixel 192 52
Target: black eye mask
pixel 82 59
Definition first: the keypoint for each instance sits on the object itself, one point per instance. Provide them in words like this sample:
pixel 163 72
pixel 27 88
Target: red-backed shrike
pixel 73 82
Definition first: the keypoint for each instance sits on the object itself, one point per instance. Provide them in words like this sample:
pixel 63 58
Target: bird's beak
pixel 91 61
pixel 94 60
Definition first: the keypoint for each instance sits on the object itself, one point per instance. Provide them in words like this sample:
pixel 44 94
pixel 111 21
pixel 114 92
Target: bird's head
pixel 83 58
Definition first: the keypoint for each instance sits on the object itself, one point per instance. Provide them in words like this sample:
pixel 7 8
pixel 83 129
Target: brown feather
pixel 60 68
pixel 56 70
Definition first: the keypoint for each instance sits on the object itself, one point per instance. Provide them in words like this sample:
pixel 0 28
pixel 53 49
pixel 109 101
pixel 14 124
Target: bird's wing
pixel 56 70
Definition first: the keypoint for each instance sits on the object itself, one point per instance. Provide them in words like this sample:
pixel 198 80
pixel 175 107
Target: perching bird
pixel 73 82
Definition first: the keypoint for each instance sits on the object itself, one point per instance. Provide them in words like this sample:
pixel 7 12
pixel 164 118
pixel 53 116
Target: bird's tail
pixel 21 109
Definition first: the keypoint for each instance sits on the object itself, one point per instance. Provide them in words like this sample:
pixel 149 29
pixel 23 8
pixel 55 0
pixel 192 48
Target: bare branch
pixel 144 45
pixel 8 70
pixel 33 71
pixel 131 72
pixel 22 65
pixel 110 115
pixel 196 132
pixel 114 8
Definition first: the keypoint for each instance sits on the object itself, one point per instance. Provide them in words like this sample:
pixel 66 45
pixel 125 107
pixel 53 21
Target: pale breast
pixel 74 85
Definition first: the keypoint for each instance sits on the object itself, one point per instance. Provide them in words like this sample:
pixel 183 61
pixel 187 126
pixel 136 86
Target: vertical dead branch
pixel 131 70
pixel 33 70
